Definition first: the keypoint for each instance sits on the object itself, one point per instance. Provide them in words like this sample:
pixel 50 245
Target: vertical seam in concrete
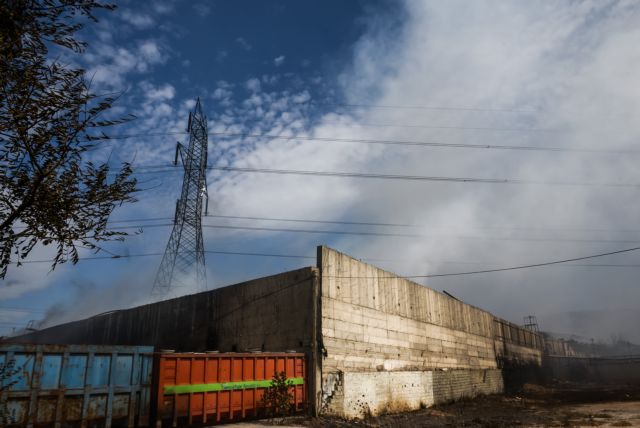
pixel 318 331
pixel 313 374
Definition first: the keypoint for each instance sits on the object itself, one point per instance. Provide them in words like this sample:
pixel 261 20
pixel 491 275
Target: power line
pixel 157 169
pixel 284 256
pixel 129 256
pixel 386 224
pixel 367 233
pixel 296 256
pixel 413 177
pixel 423 143
pixel 389 234
pixel 456 128
pixel 493 270
pixel 417 107
pixel 411 225
pixel 293 220
pixel 421 236
pixel 372 223
pixel 390 142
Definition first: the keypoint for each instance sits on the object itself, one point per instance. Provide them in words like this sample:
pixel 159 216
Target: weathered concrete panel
pixel 394 324
pixel 391 344
pixel 270 314
pixel 361 394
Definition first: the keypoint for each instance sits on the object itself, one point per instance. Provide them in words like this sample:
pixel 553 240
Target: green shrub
pixel 277 398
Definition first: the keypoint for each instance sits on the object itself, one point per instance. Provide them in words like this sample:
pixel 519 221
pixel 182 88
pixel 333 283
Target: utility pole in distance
pixel 183 262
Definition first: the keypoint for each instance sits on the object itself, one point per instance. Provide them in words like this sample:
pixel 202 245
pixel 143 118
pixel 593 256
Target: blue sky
pixel 161 56
pixel 534 74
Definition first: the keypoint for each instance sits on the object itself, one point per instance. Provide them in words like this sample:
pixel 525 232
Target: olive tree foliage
pixel 50 191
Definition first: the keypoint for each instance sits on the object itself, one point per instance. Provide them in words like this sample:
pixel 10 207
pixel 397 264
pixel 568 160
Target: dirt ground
pixel 563 405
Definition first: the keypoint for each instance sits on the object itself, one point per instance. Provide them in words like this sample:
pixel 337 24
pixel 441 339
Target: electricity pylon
pixel 183 261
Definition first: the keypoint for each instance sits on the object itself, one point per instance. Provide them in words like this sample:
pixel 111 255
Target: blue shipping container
pixel 75 385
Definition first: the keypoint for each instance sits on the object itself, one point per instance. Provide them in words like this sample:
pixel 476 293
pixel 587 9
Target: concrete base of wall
pixel 357 395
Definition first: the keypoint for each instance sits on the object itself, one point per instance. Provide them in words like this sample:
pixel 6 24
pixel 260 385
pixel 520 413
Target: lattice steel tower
pixel 183 261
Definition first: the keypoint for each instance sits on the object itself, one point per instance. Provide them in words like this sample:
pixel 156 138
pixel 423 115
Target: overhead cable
pixel 388 234
pixel 419 107
pixel 476 272
pixel 413 177
pixel 390 142
pixel 252 254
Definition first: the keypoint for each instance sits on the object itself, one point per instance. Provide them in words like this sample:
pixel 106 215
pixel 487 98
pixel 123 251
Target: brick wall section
pixel 372 393
pixel 453 385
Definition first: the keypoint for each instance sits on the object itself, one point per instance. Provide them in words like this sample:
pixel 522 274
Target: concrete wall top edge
pixel 323 251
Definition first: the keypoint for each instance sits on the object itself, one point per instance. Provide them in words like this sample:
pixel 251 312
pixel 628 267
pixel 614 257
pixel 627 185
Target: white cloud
pixel 221 55
pixel 221 93
pixel 163 93
pixel 270 79
pixel 108 65
pixel 137 20
pixel 302 97
pixel 243 43
pixel 253 84
pixel 573 67
pixel 570 66
pixel 202 9
pixel 278 61
pixel 163 6
pixel 150 52
pixel 188 104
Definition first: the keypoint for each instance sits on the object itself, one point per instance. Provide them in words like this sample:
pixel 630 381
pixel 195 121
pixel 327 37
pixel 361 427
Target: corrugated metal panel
pixel 211 388
pixel 77 385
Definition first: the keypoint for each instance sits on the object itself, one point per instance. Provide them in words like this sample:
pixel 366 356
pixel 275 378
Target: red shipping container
pixel 208 388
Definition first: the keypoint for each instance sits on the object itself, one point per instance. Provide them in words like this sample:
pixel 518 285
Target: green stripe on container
pixel 225 386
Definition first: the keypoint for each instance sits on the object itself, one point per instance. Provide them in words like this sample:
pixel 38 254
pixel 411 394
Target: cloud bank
pixel 540 74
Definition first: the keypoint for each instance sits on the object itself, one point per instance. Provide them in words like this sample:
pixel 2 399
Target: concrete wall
pixel 373 320
pixel 380 331
pixel 375 342
pixel 271 314
pixel 516 345
pixel 560 348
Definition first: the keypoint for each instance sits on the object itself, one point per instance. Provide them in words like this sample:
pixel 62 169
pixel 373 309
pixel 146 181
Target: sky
pixel 535 101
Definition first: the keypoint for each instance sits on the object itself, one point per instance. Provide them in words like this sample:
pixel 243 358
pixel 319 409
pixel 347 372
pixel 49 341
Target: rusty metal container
pixel 208 388
pixel 76 385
